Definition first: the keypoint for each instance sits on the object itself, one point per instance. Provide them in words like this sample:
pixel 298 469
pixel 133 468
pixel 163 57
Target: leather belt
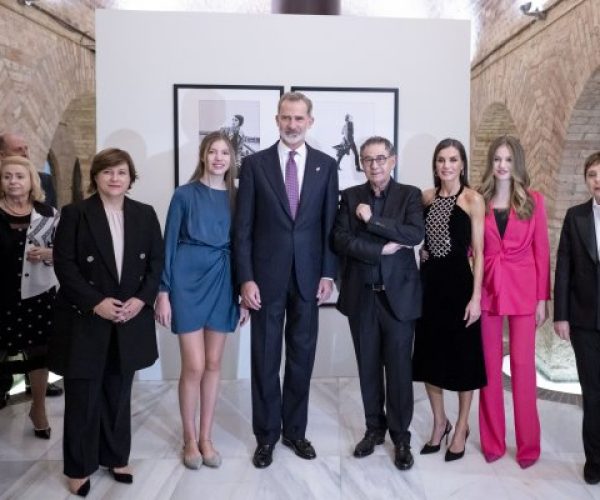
pixel 375 287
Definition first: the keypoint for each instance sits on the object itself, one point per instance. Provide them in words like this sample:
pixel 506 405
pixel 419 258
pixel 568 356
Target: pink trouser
pixel 492 426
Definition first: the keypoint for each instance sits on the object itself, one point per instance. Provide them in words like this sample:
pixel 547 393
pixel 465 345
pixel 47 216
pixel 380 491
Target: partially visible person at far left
pixel 28 282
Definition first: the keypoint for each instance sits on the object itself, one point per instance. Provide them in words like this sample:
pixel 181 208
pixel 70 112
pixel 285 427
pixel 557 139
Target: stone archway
pixel 41 75
pixel 74 143
pixel 555 358
pixel 496 120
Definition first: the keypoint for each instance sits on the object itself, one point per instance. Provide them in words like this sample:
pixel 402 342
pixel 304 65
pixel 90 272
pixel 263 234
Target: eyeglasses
pixel 367 161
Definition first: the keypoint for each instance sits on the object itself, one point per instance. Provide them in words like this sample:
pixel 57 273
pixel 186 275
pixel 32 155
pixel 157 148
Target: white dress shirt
pixel 596 210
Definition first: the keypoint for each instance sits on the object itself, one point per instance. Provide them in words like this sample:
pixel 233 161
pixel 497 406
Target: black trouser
pixel 97 426
pixel 586 344
pixel 273 410
pixel 383 347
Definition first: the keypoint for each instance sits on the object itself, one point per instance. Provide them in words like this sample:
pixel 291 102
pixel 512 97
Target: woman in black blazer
pixel 108 256
pixel 577 306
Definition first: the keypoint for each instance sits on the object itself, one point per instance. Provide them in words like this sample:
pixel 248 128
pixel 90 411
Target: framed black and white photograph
pixel 246 113
pixel 344 118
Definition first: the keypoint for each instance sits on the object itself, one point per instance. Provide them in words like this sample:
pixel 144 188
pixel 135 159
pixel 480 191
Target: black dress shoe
pixel 366 445
pixel 403 458
pixel 121 477
pixel 591 473
pixel 263 456
pixel 4 400
pixel 301 447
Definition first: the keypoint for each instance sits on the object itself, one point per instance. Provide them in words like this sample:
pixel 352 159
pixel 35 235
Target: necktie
pixel 291 183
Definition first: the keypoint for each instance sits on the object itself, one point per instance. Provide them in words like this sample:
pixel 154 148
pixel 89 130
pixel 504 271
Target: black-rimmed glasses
pixel 368 161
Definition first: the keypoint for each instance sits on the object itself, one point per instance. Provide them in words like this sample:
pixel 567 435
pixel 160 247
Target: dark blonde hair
pixel 230 175
pixel 36 193
pixel 520 198
pixel 110 157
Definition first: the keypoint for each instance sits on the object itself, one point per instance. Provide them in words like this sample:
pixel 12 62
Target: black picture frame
pixel 203 108
pixel 372 111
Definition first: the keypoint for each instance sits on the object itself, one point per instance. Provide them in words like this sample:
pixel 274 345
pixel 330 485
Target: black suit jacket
pixel 360 245
pixel 268 244
pixel 85 265
pixel 576 281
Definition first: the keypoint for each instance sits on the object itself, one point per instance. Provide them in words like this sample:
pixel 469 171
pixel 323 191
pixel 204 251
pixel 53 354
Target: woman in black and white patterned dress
pixel 28 284
pixel 448 353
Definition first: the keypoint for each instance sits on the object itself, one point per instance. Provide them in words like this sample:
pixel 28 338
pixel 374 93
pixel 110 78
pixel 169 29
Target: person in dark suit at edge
pixel 286 207
pixel 377 226
pixel 577 309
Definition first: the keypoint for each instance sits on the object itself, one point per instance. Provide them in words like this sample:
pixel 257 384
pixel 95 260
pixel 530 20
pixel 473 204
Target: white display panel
pixel 141 55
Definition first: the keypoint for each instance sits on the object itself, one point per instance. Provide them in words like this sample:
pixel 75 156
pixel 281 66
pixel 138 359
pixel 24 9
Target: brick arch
pixel 40 76
pixel 56 82
pixel 582 139
pixel 496 120
pixel 74 143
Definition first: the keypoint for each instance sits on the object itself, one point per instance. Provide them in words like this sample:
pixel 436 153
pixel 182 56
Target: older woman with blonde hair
pixel 28 285
pixel 516 285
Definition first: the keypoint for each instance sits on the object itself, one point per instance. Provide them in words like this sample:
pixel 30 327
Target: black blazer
pixel 268 244
pixel 576 281
pixel 360 245
pixel 85 265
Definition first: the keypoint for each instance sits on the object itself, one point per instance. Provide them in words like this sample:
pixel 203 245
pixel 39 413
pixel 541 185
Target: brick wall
pixel 43 69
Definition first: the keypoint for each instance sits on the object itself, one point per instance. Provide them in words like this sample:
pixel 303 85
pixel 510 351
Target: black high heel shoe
pixel 451 456
pixel 121 477
pixel 434 448
pixel 83 490
pixel 40 433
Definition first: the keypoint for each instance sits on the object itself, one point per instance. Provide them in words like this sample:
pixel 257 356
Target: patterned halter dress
pixel 446 354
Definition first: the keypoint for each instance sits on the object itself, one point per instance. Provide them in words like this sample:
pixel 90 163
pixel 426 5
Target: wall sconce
pixel 540 15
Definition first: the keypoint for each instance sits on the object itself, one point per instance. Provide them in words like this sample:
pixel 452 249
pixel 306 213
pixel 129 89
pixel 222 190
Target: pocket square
pixel 317 169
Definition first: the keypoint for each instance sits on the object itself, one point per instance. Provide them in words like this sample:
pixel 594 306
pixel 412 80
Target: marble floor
pixel 32 468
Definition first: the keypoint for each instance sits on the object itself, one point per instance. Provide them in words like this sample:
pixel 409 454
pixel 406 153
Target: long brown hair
pixel 520 198
pixel 230 175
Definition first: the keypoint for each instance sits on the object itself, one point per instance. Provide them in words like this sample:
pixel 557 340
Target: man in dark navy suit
pixel 285 210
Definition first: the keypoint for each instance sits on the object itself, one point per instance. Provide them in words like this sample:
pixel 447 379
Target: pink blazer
pixel 517 267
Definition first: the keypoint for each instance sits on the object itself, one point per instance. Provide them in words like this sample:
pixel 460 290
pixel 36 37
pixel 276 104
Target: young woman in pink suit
pixel 516 285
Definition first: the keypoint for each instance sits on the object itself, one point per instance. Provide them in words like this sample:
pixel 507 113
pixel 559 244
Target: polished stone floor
pixel 31 468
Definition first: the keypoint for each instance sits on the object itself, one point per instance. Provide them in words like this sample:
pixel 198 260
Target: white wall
pixel 140 55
